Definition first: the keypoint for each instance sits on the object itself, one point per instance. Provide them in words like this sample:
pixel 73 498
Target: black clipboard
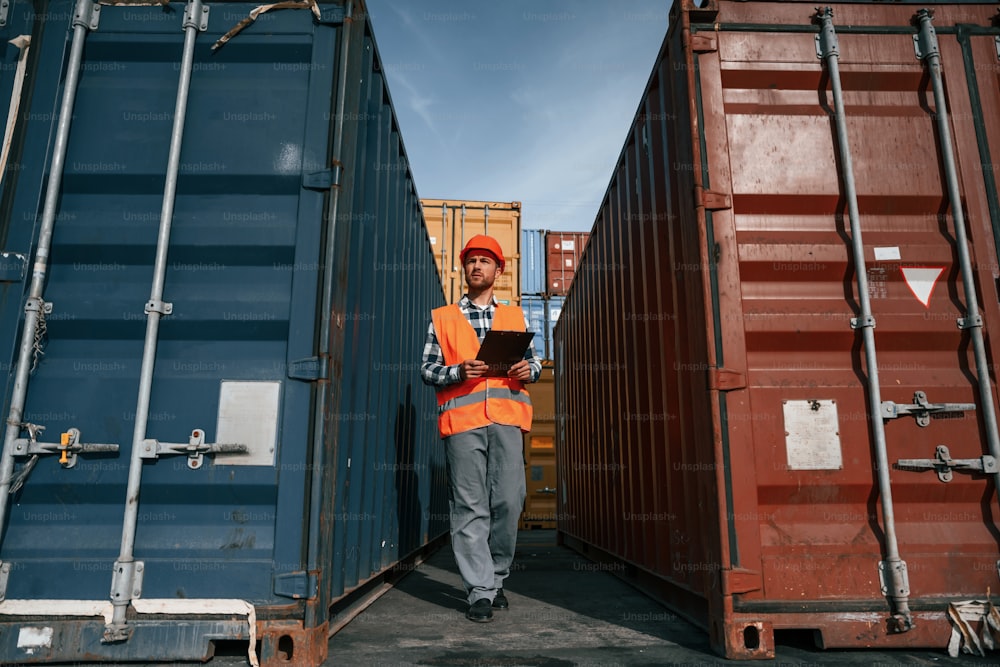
pixel 502 349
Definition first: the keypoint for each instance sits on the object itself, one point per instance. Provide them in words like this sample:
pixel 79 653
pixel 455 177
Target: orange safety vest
pixel 477 402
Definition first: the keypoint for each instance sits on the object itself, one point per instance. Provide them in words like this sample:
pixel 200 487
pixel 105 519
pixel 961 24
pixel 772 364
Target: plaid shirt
pixel 434 371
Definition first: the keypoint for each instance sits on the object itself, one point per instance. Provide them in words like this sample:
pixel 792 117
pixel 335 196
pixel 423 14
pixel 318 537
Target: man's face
pixel 481 270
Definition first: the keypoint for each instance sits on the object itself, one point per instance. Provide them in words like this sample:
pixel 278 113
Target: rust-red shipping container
pixel 775 375
pixel 562 255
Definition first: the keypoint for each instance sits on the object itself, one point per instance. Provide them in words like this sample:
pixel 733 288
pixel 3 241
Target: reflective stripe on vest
pixel 480 396
pixel 477 402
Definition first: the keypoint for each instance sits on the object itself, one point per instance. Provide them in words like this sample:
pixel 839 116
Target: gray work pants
pixel 486 491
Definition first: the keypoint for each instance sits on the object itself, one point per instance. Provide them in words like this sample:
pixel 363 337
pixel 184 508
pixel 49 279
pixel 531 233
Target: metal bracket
pixel 546 489
pixel 126 581
pixel 4 576
pixel 126 584
pixel 68 447
pixel 944 464
pixel 87 14
pixel 922 409
pixel 4 8
pixel 195 449
pixel 827 42
pixel 35 304
pixel 157 306
pixel 867 322
pixel 196 16
pixel 886 570
pixel 925 42
pixel 895 575
pixel 967 323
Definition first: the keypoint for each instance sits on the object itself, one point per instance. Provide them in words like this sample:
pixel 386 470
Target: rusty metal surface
pixel 715 429
pixel 562 256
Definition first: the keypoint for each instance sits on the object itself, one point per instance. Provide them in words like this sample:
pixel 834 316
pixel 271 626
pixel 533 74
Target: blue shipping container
pixel 534 308
pixel 553 310
pixel 533 277
pixel 213 380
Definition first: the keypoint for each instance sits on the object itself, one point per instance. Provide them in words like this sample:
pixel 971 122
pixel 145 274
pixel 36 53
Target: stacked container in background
pixel 452 222
pixel 562 255
pixel 548 263
pixel 533 276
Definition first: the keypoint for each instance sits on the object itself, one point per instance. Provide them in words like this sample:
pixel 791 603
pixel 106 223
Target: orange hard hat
pixel 485 243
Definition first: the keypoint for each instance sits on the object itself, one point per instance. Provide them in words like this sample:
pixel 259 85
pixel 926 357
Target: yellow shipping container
pixel 451 222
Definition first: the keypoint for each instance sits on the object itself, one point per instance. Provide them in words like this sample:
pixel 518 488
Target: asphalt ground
pixel 565 611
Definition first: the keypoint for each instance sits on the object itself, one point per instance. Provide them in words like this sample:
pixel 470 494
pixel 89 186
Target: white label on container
pixel 434 240
pixel 31 638
pixel 569 245
pixel 554 314
pixel 569 262
pixel 887 254
pixel 812 435
pixel 248 415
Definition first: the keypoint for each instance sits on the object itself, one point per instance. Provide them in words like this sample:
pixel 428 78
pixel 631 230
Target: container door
pixel 233 357
pixel 808 519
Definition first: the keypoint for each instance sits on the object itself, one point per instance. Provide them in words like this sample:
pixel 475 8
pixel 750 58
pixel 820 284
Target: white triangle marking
pixel 921 281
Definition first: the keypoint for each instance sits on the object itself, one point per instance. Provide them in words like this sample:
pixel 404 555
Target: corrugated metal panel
pixel 452 222
pixel 542 313
pixel 562 255
pixel 553 309
pixel 313 511
pixel 534 308
pixel 533 277
pixel 740 476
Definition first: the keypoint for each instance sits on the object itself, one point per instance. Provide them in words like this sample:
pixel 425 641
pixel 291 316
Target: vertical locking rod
pixel 893 568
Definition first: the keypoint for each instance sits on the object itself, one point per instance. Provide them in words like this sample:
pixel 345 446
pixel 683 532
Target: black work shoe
pixel 479 611
pixel 500 601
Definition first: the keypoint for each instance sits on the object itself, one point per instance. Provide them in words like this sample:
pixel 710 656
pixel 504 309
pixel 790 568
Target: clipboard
pixel 502 349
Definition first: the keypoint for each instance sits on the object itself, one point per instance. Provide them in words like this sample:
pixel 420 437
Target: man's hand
pixel 472 368
pixel 520 371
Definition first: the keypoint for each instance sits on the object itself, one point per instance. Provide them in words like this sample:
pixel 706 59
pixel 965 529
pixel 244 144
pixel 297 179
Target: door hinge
pixel 739 580
pixel 712 201
pixel 318 180
pixel 296 585
pixel 307 369
pixel 703 43
pixel 725 379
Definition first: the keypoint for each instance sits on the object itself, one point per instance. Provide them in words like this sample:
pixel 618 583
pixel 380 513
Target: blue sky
pixel 518 100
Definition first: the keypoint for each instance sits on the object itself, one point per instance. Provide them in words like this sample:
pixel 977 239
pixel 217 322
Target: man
pixel 481 420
